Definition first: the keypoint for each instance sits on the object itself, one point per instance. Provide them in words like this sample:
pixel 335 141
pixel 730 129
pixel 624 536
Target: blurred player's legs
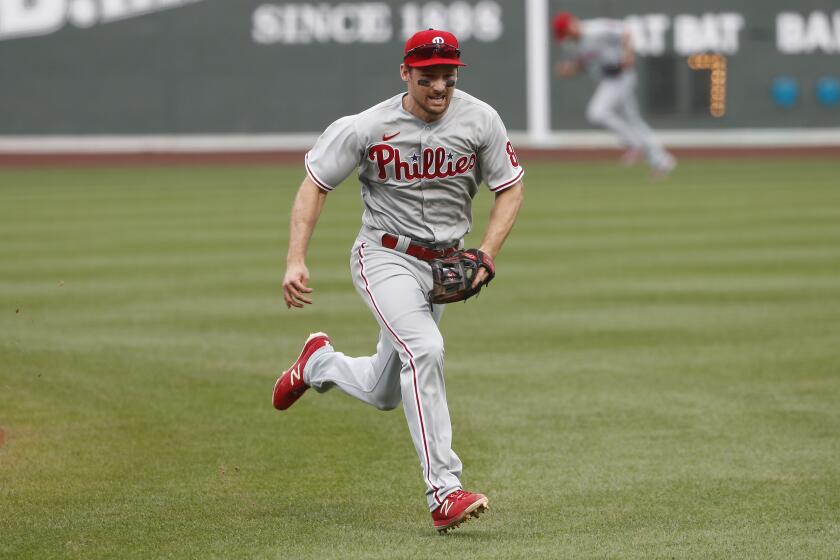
pixel 408 364
pixel 655 154
pixel 604 109
pixel 614 106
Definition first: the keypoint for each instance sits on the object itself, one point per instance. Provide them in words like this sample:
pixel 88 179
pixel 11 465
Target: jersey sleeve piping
pixel 321 184
pixel 510 183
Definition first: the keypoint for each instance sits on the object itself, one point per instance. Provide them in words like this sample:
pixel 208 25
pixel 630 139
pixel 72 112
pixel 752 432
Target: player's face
pixel 430 90
pixel 574 29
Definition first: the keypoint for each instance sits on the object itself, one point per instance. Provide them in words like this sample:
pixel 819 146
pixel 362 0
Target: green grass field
pixel 655 373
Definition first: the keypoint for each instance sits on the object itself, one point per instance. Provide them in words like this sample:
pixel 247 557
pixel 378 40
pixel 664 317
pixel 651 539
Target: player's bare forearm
pixel 305 213
pixel 629 56
pixel 567 68
pixel 502 217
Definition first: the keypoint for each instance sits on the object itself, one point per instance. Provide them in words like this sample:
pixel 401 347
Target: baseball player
pixel 602 48
pixel 420 157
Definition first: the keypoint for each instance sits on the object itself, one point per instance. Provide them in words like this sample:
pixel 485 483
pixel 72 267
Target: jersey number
pixel 512 154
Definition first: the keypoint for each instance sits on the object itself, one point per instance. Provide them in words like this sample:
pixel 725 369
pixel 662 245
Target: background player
pixel 420 157
pixel 602 47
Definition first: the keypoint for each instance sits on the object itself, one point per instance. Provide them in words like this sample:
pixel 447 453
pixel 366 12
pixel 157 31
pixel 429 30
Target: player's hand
pixel 483 274
pixel 480 277
pixel 566 68
pixel 295 287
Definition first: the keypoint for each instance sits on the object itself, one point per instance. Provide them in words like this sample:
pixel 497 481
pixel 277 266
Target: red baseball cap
pixel 561 24
pixel 431 47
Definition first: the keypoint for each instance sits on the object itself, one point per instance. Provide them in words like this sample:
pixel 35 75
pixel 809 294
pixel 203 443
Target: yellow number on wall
pixel 717 90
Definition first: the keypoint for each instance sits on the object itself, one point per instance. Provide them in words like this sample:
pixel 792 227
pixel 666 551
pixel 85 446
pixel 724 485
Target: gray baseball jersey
pixel 601 45
pixel 418 179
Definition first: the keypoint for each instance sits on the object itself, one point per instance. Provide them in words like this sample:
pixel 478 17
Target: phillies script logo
pixel 434 163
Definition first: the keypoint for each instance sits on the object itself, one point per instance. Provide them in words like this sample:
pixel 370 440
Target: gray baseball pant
pixel 614 106
pixel 408 364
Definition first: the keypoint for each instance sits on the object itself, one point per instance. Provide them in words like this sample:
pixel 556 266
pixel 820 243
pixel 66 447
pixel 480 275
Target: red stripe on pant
pixel 413 370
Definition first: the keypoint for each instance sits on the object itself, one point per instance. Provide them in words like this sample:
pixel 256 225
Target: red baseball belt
pixel 417 251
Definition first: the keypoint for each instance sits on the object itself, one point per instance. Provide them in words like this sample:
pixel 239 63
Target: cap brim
pixel 434 62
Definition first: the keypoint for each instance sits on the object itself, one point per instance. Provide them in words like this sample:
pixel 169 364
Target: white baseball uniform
pixel 614 105
pixel 418 182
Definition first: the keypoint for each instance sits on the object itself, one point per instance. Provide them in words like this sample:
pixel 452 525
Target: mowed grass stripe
pixel 654 372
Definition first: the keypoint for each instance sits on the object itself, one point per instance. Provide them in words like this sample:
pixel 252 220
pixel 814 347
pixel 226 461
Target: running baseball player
pixel 602 47
pixel 420 157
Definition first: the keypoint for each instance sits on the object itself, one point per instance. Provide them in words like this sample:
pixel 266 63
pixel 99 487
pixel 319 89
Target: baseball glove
pixel 453 275
pixel 612 70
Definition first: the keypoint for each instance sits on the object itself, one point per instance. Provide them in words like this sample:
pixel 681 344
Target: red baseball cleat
pixel 631 157
pixel 290 386
pixel 457 508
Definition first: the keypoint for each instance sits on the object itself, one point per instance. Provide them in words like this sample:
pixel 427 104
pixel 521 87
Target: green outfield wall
pixel 84 67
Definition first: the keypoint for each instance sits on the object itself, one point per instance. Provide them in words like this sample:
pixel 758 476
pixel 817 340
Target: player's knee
pixel 390 404
pixel 596 115
pixel 431 349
